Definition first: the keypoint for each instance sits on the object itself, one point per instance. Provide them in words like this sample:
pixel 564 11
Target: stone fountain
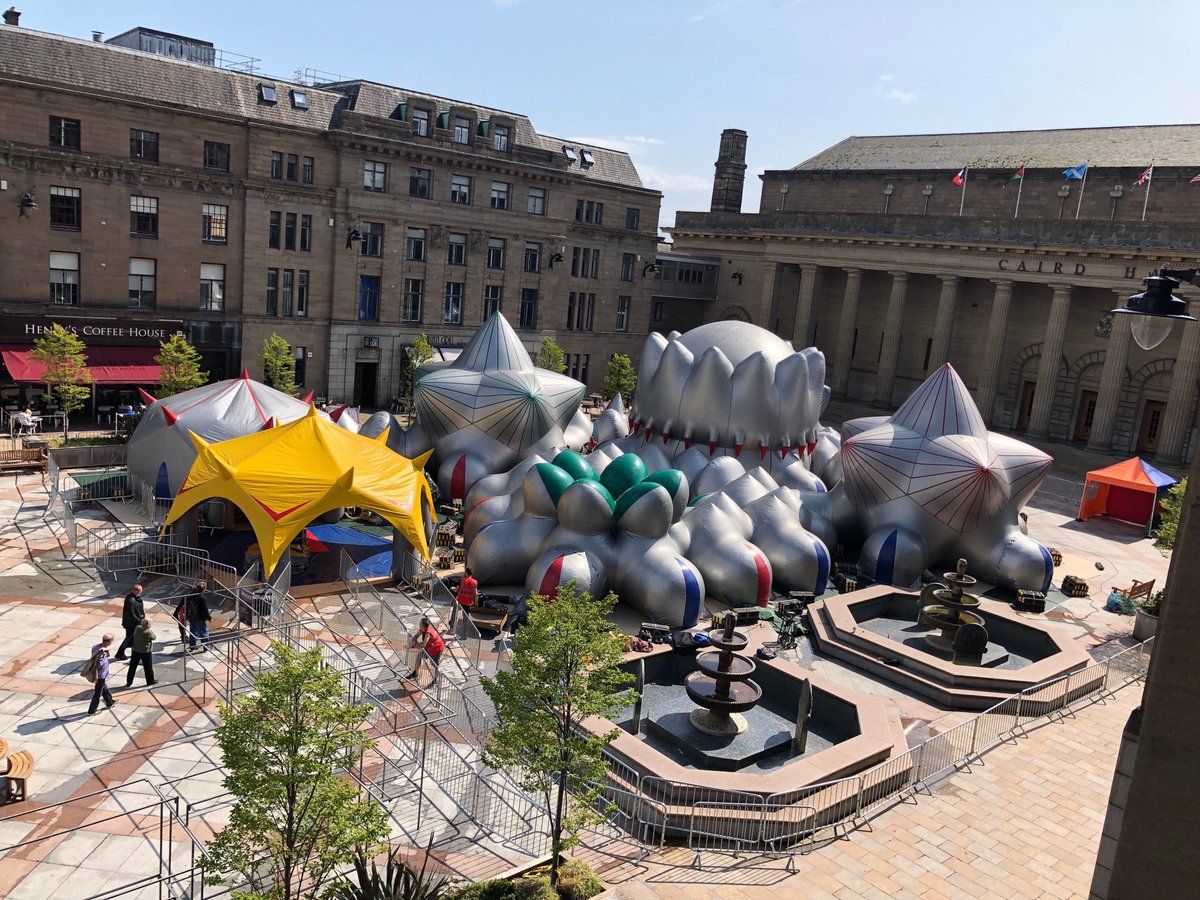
pixel 952 610
pixel 722 686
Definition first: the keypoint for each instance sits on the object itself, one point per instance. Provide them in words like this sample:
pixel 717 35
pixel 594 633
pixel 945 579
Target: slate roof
pixel 1132 146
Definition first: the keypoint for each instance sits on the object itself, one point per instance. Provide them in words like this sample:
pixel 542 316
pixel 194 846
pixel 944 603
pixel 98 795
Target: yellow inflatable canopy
pixel 284 477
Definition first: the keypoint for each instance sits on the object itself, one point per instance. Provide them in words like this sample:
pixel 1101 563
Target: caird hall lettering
pixel 104 331
pixel 1042 266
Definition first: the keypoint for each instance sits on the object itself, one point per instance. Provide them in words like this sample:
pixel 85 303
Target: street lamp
pixel 1156 310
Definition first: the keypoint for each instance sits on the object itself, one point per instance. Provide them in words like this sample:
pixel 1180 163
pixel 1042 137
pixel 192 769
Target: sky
pixel 661 78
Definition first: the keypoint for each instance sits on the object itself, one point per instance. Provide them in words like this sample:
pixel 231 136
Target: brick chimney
pixel 12 17
pixel 731 172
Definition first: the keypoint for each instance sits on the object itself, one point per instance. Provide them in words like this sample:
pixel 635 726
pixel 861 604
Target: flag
pixel 1076 173
pixel 1017 176
pixel 1146 176
pixel 1195 180
pixel 961 177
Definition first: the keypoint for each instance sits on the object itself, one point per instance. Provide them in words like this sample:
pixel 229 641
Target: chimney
pixel 12 17
pixel 97 36
pixel 731 172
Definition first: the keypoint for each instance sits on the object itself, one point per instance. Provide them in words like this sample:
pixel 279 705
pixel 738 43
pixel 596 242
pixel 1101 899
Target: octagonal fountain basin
pixel 881 630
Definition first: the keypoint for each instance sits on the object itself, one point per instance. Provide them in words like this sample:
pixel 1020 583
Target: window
pixel 493 299
pixel 141 283
pixel 460 189
pixel 569 153
pixel 216 156
pixel 64 133
pixel 578 210
pixel 301 355
pixel 214 227
pixel 64 278
pixel 581 309
pixel 456 254
pixel 372 239
pixel 143 145
pixel 289 285
pixel 143 217
pixel 500 138
pixel 585 262
pixel 374 176
pixel 656 311
pixel 299 99
pixel 212 287
pixel 533 257
pixel 272 292
pixel 588 159
pixel 368 297
pixel 307 170
pixel 414 295
pixel 276 164
pixel 302 293
pixel 306 233
pixel 623 303
pixel 495 253
pixel 267 94
pixel 289 231
pixel 571 311
pixel 420 122
pixel 527 317
pixel 414 245
pixel 589 211
pixel 293 167
pixel 273 229
pixel 594 272
pixel 462 130
pixel 537 201
pixel 452 307
pixel 628 260
pixel 66 208
pixel 418 182
pixel 632 218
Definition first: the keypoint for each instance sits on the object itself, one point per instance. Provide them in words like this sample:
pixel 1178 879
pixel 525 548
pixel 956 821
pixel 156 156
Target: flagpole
pixel 963 199
pixel 1149 182
pixel 1082 185
pixel 1020 184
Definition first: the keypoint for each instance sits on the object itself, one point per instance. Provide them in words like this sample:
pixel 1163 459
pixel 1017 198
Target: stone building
pixel 873 253
pixel 155 194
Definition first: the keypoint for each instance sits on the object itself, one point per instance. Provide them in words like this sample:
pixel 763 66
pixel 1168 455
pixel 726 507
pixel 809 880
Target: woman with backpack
pixel 96 670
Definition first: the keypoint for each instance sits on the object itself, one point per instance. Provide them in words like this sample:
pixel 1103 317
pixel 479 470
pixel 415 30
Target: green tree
pixel 564 670
pixel 551 356
pixel 1172 507
pixel 278 364
pixel 295 819
pixel 419 353
pixel 67 377
pixel 180 363
pixel 620 378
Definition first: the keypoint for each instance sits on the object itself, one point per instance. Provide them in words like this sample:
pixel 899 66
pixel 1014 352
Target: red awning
pixel 108 365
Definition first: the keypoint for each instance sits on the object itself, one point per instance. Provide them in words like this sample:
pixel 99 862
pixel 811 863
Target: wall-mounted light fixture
pixel 736 276
pixel 555 258
pixel 28 202
pixel 351 236
pixel 651 269
pixel 1155 310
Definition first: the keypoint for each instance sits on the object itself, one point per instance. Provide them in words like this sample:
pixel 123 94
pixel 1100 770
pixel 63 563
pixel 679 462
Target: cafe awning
pixel 108 365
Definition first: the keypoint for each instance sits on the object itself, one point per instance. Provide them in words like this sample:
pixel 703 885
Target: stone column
pixel 939 353
pixel 993 350
pixel 770 279
pixel 804 302
pixel 1177 419
pixel 1112 376
pixel 1056 330
pixel 845 337
pixel 886 379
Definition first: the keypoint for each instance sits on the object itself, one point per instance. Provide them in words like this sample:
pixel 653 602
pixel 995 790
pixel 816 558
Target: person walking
pixel 132 612
pixel 143 649
pixel 180 617
pixel 100 659
pixel 428 640
pixel 198 616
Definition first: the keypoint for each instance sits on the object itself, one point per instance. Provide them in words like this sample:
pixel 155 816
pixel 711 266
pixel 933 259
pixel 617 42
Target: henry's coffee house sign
pixel 122 332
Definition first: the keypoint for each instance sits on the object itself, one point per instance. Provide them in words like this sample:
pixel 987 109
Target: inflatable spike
pixel 147 398
pixel 169 417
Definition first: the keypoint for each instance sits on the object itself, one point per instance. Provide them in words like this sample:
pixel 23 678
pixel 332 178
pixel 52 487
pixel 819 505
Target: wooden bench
pixel 22 458
pixel 20 767
pixel 1140 590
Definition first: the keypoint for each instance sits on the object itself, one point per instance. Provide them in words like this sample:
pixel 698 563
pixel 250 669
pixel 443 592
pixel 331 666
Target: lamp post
pixel 783 192
pixel 1154 312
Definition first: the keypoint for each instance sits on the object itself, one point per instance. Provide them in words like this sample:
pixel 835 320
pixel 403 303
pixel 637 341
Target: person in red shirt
pixel 431 642
pixel 468 590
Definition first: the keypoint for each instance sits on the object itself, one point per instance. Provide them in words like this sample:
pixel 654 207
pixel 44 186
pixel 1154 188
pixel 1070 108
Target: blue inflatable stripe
pixel 691 595
pixel 822 568
pixel 885 566
pixel 1049 568
pixel 821 489
pixel 162 484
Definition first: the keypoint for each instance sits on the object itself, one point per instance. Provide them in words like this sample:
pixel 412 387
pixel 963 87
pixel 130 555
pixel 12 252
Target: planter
pixel 1144 625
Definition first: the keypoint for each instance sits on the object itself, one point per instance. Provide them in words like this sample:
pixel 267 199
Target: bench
pixel 20 767
pixel 22 458
pixel 1140 590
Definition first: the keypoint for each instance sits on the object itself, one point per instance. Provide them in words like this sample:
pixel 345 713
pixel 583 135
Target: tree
pixel 295 820
pixel 279 366
pixel 1172 507
pixel 620 378
pixel 180 363
pixel 419 353
pixel 67 377
pixel 564 670
pixel 551 357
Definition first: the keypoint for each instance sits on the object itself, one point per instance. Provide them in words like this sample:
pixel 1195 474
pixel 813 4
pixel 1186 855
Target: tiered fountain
pixel 952 611
pixel 722 686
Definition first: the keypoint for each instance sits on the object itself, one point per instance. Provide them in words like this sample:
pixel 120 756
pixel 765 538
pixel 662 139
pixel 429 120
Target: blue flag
pixel 1075 173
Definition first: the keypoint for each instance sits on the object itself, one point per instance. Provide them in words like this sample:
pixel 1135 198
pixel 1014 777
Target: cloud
pixel 901 96
pixel 887 77
pixel 658 179
pixel 630 143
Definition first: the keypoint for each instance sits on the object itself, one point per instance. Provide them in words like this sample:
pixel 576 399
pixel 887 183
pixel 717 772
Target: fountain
pixel 722 686
pixel 952 611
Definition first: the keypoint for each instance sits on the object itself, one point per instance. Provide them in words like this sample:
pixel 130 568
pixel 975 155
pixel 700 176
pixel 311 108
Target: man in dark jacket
pixel 132 612
pixel 198 616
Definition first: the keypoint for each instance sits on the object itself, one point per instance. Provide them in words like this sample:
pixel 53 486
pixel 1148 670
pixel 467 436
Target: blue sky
pixel 661 78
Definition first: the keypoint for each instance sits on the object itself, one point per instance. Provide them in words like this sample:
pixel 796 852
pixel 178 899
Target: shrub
pixel 1168 525
pixel 501 889
pixel 577 881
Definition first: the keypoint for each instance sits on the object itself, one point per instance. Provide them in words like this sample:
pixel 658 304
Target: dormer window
pixel 462 130
pixel 300 99
pixel 420 122
pixel 569 153
pixel 587 157
pixel 266 93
